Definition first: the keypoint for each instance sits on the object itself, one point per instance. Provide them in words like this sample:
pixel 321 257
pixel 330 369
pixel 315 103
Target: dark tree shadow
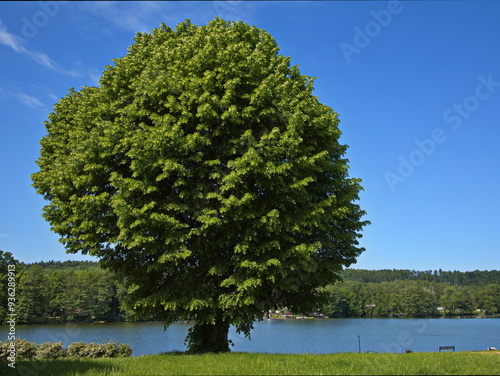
pixel 175 353
pixel 56 367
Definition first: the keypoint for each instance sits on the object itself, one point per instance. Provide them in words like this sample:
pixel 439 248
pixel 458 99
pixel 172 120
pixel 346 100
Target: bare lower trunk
pixel 209 337
pixel 216 338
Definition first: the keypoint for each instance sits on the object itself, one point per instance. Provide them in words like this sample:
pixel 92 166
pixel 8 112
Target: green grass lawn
pixel 449 363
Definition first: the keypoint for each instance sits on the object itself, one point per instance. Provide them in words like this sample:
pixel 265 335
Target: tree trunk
pixel 205 337
pixel 216 339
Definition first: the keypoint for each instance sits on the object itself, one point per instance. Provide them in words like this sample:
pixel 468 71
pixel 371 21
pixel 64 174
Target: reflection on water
pixel 289 336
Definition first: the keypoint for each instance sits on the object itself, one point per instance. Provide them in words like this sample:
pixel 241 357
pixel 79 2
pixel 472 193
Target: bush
pixel 77 350
pixel 109 350
pixel 4 351
pixel 26 350
pixel 99 351
pixel 49 350
pixel 124 350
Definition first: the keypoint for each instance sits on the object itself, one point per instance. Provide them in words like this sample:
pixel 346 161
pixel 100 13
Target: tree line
pixel 451 277
pixel 69 291
pixel 81 291
pixel 410 298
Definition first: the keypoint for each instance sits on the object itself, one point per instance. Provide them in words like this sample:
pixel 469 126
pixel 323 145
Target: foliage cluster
pixel 26 350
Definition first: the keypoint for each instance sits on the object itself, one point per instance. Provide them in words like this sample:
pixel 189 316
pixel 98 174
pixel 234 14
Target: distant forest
pixel 80 291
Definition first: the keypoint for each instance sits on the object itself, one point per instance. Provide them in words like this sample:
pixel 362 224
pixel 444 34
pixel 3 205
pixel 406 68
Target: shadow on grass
pixel 179 353
pixel 57 367
pixel 176 353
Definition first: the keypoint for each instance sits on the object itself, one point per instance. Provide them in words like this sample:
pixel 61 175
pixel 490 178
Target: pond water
pixel 289 336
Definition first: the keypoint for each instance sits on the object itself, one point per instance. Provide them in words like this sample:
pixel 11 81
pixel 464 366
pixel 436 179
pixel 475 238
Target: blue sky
pixel 416 85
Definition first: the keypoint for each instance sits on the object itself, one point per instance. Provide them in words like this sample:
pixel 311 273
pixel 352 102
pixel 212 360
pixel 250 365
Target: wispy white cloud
pixel 17 44
pixel 95 75
pixel 232 9
pixel 52 96
pixel 28 100
pixel 143 16
pixel 132 16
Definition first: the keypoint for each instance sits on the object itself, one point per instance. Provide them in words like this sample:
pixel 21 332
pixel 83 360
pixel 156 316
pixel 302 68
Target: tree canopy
pixel 205 171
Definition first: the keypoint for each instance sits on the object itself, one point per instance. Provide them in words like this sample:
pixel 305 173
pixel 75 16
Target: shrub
pixel 109 350
pixel 25 350
pixel 95 350
pixel 76 350
pixel 4 351
pixel 124 350
pixel 49 350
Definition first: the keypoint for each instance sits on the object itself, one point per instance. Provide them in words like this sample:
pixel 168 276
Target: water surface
pixel 290 336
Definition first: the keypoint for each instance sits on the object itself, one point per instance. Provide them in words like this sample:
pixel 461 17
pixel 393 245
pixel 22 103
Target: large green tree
pixel 205 171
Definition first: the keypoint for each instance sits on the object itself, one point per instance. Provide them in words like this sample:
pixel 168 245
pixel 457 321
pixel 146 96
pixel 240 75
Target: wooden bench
pixel 446 348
